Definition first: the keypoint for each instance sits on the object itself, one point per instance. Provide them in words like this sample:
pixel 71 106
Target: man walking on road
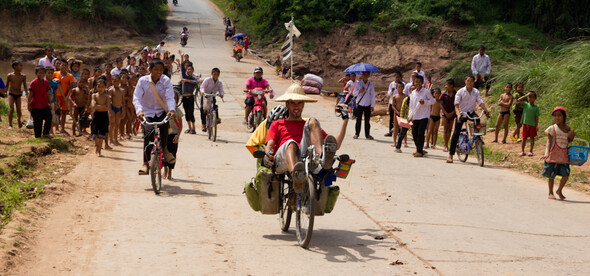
pixel 364 91
pixel 154 100
pixel 420 102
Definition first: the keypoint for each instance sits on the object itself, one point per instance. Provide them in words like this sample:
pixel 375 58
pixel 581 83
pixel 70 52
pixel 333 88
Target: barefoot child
pixel 108 67
pixel 447 103
pixel 80 97
pixel 14 82
pixel 52 99
pixel 38 103
pixel 126 98
pixel 396 105
pixel 101 104
pixel 64 82
pixel 530 120
pixel 518 112
pixel 505 102
pixel 91 81
pixel 434 121
pixel 117 97
pixel 556 157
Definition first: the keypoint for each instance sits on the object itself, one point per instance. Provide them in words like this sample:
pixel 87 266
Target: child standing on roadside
pixel 530 120
pixel 278 65
pixel 14 82
pixel 80 100
pixel 434 121
pixel 38 103
pixel 505 102
pixel 556 156
pixel 101 104
pixel 117 96
pixel 518 112
pixel 447 103
pixel 396 104
pixel 64 82
pixel 52 98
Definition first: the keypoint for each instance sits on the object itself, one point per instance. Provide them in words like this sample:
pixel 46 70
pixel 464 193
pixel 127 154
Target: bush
pixel 361 29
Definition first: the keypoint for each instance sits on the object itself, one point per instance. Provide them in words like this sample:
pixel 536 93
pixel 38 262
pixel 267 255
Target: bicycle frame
pixel 210 106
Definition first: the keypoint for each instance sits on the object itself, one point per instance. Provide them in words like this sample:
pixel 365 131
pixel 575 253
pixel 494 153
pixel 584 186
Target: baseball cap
pixel 559 108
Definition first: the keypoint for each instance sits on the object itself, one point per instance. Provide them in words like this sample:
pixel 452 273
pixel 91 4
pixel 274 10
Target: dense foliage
pixel 265 17
pixel 143 15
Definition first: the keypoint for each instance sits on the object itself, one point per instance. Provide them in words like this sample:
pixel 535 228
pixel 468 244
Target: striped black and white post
pixel 287 48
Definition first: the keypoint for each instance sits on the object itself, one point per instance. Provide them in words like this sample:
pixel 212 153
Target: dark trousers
pixel 366 112
pixel 391 115
pixel 204 114
pixel 148 132
pixel 39 115
pixel 457 132
pixel 188 103
pixel 172 148
pixel 418 131
pixel 400 138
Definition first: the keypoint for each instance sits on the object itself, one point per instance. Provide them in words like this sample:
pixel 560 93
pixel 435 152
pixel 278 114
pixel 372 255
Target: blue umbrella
pixel 238 35
pixel 362 67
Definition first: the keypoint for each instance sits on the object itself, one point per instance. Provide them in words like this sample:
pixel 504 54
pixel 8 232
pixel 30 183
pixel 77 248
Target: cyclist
pixel 210 85
pixel 253 82
pixel 288 139
pixel 258 137
pixel 154 100
pixel 465 101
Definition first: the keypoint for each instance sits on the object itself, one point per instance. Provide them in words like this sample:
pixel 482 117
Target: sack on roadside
pixel 310 90
pixel 312 83
pixel 314 77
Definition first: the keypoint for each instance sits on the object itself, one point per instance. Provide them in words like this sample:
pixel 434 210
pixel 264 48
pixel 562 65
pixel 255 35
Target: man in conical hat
pixel 288 139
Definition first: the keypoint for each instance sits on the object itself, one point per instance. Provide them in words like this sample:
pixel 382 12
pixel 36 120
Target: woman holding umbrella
pixel 364 91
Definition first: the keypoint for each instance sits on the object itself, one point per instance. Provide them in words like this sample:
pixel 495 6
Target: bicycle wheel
pixel 155 172
pixel 209 122
pixel 479 150
pixel 285 211
pixel 462 148
pixel 305 213
pixel 197 99
pixel 214 125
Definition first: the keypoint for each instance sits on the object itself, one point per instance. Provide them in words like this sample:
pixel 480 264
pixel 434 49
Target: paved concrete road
pixel 436 218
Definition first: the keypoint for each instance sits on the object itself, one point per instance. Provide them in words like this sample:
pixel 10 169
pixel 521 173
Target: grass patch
pixel 43 45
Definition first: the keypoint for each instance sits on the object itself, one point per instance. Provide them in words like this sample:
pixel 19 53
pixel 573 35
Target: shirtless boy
pixel 505 102
pixel 396 105
pixel 92 80
pixel 14 82
pixel 108 67
pixel 80 99
pixel 101 105
pixel 434 121
pixel 127 100
pixel 117 98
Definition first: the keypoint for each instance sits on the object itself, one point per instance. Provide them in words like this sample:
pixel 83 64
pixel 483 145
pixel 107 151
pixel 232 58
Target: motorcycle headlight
pixel 259 97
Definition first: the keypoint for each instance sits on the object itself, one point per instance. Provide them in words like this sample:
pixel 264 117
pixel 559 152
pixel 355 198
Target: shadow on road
pixel 189 181
pixel 119 158
pixel 174 191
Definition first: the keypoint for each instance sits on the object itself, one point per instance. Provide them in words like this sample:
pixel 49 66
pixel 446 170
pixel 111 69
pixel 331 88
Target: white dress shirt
pixel 209 84
pixel 481 64
pixel 160 49
pixel 467 101
pixel 145 101
pixel 116 71
pixel 368 97
pixel 422 111
pixel 421 73
pixel 45 62
pixel 392 90
pixel 350 86
pixel 407 88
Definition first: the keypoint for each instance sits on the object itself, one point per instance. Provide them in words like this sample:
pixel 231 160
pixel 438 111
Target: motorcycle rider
pixel 184 33
pixel 288 139
pixel 254 82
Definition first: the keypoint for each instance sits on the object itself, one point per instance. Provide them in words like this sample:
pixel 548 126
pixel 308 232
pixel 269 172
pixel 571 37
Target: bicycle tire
pixel 285 211
pixel 257 119
pixel 209 122
pixel 197 99
pixel 462 154
pixel 304 217
pixel 479 151
pixel 155 173
pixel 214 125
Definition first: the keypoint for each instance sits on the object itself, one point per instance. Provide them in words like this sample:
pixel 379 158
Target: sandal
pixel 521 153
pixel 530 153
pixel 188 131
pixel 144 170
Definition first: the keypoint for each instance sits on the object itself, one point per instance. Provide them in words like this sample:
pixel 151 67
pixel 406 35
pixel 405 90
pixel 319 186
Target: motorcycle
pixel 183 39
pixel 238 55
pixel 256 116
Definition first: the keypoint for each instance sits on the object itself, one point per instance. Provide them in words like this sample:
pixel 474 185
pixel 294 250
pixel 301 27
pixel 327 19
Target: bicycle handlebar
pixel 473 118
pixel 146 123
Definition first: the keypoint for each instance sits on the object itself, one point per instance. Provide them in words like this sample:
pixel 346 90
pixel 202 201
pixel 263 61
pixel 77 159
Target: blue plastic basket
pixel 579 154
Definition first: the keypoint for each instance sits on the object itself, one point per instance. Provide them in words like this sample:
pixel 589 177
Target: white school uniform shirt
pixel 209 84
pixel 467 101
pixel 368 97
pixel 116 71
pixel 392 90
pixel 45 62
pixel 131 69
pixel 160 49
pixel 407 88
pixel 423 111
pixel 349 87
pixel 421 73
pixel 144 99
pixel 481 64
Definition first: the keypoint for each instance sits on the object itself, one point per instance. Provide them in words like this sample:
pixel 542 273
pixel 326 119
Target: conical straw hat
pixel 295 93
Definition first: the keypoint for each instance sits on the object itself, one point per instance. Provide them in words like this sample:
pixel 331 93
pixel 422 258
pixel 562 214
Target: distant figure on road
pixel 481 67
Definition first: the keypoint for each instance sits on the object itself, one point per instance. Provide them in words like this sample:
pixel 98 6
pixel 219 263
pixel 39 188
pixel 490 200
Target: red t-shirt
pixel 283 130
pixel 39 98
pixel 252 83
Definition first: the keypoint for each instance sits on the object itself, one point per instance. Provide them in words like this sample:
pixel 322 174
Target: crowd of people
pixel 419 106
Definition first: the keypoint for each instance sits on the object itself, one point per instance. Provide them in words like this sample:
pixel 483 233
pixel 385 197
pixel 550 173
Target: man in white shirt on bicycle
pixel 154 108
pixel 211 86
